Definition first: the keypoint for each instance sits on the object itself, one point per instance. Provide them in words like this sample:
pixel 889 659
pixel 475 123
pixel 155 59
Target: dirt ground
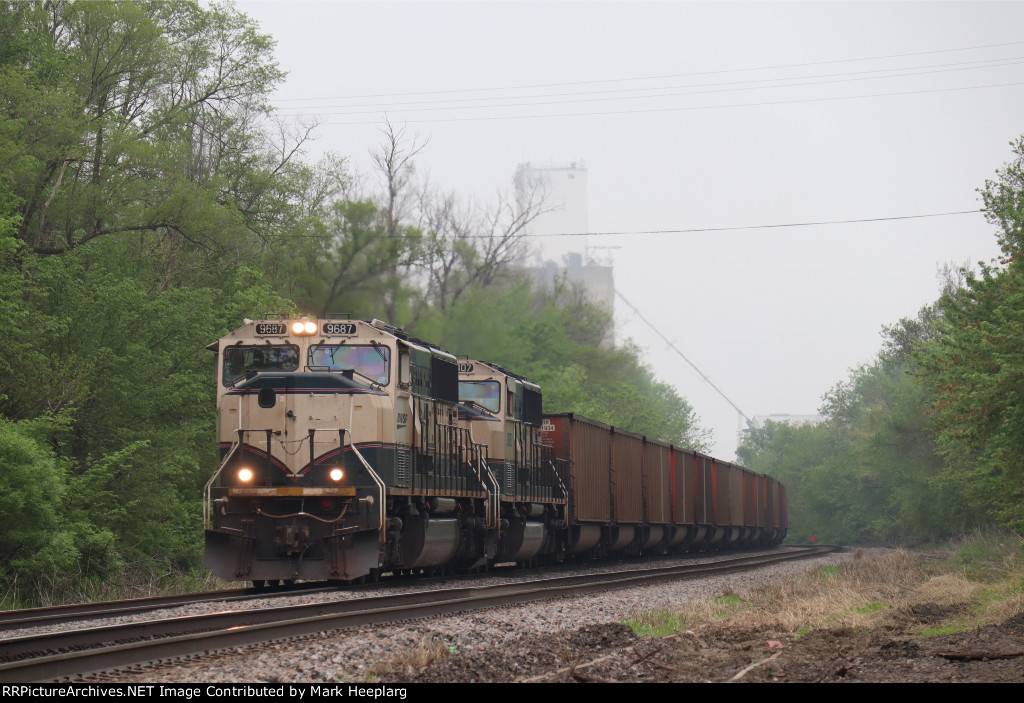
pixel 612 653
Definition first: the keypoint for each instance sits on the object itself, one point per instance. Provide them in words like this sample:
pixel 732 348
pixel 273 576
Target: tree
pixel 554 338
pixel 469 245
pixel 137 190
pixel 361 265
pixel 129 117
pixel 869 473
pixel 975 367
pixel 394 160
pixel 408 250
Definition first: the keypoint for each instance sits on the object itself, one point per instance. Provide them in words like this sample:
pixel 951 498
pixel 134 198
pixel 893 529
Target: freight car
pixel 349 448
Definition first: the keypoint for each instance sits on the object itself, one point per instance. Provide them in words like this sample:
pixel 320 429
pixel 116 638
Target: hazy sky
pixel 701 116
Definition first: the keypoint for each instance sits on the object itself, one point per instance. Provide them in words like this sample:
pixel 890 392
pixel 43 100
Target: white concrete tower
pixel 563 190
pixel 560 191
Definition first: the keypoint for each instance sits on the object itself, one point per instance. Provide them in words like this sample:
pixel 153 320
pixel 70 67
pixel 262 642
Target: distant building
pixel 563 189
pixel 758 421
pixel 596 278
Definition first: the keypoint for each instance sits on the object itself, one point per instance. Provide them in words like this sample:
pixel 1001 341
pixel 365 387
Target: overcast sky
pixel 701 116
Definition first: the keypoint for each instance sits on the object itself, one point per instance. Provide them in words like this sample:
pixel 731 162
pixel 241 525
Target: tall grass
pixel 133 581
pixel 976 580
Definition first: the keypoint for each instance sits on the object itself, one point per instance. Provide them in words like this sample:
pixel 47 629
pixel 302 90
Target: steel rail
pixel 35 617
pixel 24 618
pixel 125 645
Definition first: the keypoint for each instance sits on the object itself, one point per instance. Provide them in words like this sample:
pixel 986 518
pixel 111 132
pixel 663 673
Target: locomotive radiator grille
pixel 402 469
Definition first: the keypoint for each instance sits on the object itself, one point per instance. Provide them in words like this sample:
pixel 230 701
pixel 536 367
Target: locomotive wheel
pixel 259 585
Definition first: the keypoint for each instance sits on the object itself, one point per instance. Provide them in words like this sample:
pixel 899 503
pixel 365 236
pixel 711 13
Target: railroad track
pixel 72 653
pixel 54 615
pixel 25 618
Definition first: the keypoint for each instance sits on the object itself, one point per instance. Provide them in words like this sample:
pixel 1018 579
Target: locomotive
pixel 350 448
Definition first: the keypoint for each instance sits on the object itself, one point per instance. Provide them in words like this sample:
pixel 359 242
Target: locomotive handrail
pixel 462 439
pixel 487 479
pixel 207 503
pixel 239 441
pixel 382 528
pixel 493 517
pixel 549 462
pixel 207 506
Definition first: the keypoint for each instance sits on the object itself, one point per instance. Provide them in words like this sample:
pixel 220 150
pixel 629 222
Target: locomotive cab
pixel 503 412
pixel 341 455
pixel 298 493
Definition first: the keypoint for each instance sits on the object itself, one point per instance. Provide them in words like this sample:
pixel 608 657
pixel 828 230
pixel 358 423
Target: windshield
pixel 486 394
pixel 239 360
pixel 367 360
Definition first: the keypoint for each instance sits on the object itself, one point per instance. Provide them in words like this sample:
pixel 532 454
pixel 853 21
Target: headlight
pixel 245 475
pixel 304 327
pixel 336 474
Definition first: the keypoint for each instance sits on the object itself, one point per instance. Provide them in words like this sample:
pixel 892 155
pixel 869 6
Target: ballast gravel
pixel 366 653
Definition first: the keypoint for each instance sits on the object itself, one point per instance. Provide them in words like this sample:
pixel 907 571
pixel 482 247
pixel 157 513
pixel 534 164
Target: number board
pixel 339 329
pixel 465 367
pixel 271 329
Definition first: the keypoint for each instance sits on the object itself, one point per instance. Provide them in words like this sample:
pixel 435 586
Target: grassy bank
pixel 976 580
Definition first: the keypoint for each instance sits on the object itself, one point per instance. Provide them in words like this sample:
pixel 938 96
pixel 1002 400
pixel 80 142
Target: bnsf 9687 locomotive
pixel 350 448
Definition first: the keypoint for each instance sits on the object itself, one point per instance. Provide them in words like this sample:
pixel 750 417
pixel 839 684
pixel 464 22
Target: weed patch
pixel 830 571
pixel 945 630
pixel 869 608
pixel 429 650
pixel 728 604
pixel 657 623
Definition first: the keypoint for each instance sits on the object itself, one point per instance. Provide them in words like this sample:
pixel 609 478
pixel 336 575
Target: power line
pixel 684 358
pixel 685 108
pixel 683 90
pixel 658 77
pixel 750 227
pixel 690 230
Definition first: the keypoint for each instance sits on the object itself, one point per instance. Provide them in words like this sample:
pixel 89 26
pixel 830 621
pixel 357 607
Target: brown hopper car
pixel 628 492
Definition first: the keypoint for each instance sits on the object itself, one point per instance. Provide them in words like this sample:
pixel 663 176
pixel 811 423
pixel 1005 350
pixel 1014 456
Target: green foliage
pixel 349 265
pixel 929 439
pixel 137 191
pixel 555 338
pixel 945 630
pixel 38 544
pixel 31 487
pixel 830 571
pixel 868 474
pixel 658 623
pixel 986 553
pixel 144 212
pixel 125 360
pixel 728 604
pixel 975 367
pixel 139 117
